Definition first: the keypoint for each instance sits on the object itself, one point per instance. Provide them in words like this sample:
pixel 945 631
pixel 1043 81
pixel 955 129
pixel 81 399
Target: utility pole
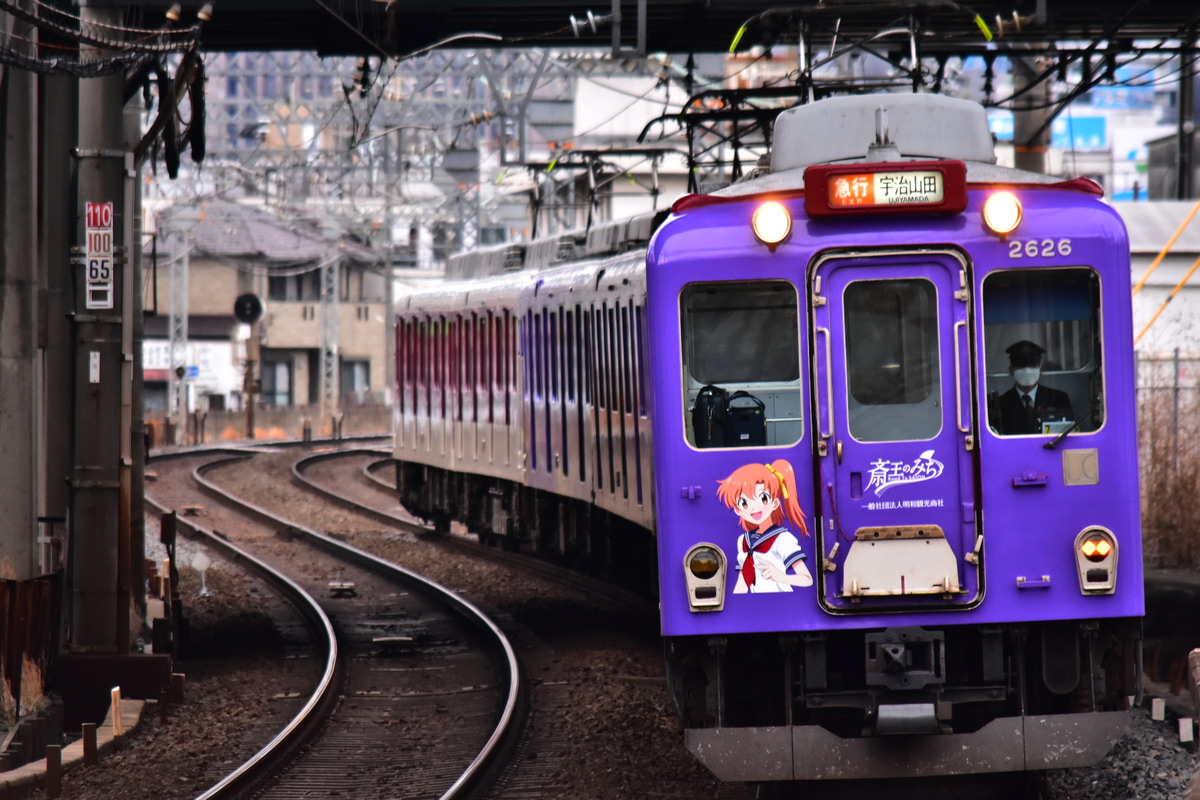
pixel 1031 115
pixel 99 569
pixel 19 412
pixel 1186 124
pixel 251 381
pixel 183 221
pixel 248 310
pixel 330 283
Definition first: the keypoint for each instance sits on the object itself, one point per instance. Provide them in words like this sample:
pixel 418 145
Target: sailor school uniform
pixel 776 545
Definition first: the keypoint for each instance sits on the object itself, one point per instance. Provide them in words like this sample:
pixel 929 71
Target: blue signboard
pixel 1079 133
pixel 1138 91
pixel 1001 123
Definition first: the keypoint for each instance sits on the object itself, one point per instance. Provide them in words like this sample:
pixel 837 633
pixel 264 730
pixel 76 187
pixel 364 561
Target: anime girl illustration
pixel 769 555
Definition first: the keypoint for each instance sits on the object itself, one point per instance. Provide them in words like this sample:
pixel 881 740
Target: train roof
pixel 601 241
pixel 919 125
pixel 916 127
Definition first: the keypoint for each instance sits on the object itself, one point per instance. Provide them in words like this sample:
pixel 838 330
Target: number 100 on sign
pixel 99 234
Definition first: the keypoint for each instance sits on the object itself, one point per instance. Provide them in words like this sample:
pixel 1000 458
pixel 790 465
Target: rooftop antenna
pixel 882 149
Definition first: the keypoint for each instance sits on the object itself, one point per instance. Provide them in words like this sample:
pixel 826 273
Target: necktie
pixel 1029 417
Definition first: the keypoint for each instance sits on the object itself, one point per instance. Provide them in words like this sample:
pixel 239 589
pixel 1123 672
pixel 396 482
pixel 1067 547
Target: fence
pixel 29 614
pixel 270 423
pixel 1168 397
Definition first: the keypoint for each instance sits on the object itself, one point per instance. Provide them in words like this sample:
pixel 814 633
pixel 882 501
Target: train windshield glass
pixel 892 359
pixel 1042 351
pixel 741 342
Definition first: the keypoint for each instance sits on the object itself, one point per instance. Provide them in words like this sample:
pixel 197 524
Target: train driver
pixel 1028 404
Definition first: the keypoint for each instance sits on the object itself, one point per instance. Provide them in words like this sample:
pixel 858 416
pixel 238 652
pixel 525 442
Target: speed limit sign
pixel 99 254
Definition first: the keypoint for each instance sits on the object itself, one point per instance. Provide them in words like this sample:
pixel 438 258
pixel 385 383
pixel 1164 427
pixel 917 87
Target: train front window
pixel 892 360
pixel 741 363
pixel 1042 351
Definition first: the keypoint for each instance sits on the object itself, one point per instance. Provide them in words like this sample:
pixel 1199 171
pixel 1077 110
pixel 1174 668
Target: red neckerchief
pixel 748 573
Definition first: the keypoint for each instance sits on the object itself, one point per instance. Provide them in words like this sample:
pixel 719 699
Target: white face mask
pixel 1027 376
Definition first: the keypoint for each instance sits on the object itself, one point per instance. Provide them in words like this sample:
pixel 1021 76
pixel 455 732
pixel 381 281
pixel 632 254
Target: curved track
pixel 374 496
pixel 370 492
pixel 413 670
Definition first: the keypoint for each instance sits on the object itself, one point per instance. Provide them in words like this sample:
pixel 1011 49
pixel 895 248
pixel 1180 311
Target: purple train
pixel 865 421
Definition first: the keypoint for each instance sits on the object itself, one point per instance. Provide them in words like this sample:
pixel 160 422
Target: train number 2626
pixel 1032 248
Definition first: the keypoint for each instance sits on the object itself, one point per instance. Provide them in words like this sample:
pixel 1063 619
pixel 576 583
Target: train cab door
pixel 894 431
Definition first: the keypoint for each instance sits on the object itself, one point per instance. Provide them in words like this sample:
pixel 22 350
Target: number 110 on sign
pixel 99 227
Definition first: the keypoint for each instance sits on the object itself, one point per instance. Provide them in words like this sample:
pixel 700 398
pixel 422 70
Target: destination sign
pixel 886 189
pixel 926 186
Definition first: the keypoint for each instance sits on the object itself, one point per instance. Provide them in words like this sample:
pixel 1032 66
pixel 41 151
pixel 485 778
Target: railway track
pixel 591 654
pixel 410 668
pixel 356 478
pixel 373 493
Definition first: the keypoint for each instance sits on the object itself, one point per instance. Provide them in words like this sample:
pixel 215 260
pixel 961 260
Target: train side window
pixel 640 355
pixel 422 345
pixel 437 337
pixel 627 366
pixel 510 363
pixel 454 367
pixel 741 336
pixel 487 364
pixel 537 357
pixel 552 329
pixel 1042 339
pixel 401 356
pixel 569 352
pixel 601 358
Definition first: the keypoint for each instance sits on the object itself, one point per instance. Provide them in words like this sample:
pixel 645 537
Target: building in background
pixel 236 249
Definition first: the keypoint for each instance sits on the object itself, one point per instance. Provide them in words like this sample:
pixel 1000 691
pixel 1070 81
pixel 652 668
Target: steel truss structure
pixel 416 141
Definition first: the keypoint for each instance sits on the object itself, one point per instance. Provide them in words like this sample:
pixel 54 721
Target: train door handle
pixel 839 451
pixel 828 418
pixel 690 492
pixel 958 403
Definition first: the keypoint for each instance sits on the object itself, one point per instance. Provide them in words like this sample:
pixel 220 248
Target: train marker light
pixel 1002 213
pixel 704 569
pixel 772 223
pixel 1096 560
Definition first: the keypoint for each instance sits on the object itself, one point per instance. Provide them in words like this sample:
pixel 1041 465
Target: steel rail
pixel 597 588
pixel 465 609
pixel 319 623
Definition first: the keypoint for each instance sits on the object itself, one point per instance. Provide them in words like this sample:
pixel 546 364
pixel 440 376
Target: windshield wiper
pixel 1053 443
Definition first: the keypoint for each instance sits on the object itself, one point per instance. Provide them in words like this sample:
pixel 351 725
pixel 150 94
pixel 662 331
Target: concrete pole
pixel 134 465
pixel 59 123
pixel 1186 124
pixel 330 314
pixel 178 332
pixel 19 412
pixel 99 547
pixel 1031 116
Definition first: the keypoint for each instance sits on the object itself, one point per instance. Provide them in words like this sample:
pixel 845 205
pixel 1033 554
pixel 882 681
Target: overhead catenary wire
pixel 143 40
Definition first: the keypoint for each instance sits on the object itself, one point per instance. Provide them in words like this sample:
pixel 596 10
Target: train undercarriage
pixel 509 515
pixel 906 701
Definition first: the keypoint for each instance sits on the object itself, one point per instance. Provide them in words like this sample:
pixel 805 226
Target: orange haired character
pixel 764 496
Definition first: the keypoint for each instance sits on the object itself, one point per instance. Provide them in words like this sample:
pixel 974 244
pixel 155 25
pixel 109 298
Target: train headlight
pixel 771 223
pixel 1002 213
pixel 1096 560
pixel 704 570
